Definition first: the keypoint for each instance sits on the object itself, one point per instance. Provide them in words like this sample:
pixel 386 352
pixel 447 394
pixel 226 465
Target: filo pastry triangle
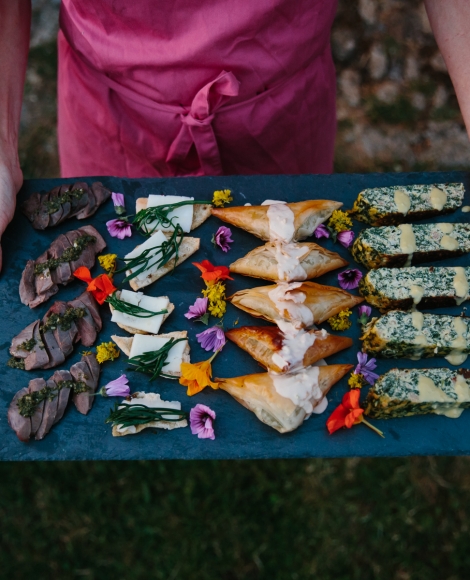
pixel 273 350
pixel 307 215
pixel 260 394
pixel 288 262
pixel 300 304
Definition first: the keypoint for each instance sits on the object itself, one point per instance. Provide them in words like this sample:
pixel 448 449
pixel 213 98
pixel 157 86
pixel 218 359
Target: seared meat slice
pixel 38 357
pixel 36 418
pixel 64 393
pixel 81 372
pixel 86 324
pixel 23 338
pixel 64 338
pixel 88 300
pixel 41 219
pixel 94 367
pixel 56 216
pixel 100 244
pixel 56 356
pixel 49 413
pixel 78 203
pixel 62 274
pixel 20 425
pixel 28 283
pixel 90 207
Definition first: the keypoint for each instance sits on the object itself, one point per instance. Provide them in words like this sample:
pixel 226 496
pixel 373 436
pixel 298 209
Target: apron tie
pixel 196 125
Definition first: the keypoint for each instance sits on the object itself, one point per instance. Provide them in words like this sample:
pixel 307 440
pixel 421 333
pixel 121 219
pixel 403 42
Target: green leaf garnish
pixel 131 309
pixel 124 415
pixel 154 218
pixel 152 362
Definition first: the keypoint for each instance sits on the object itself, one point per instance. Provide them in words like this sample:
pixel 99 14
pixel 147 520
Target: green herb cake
pixel 401 288
pixel 415 335
pixel 404 392
pixel 383 206
pixel 404 245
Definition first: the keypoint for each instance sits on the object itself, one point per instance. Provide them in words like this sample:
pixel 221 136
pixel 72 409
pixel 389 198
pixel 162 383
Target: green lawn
pixel 349 519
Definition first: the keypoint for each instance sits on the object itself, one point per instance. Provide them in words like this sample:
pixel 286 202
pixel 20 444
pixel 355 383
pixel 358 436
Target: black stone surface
pixel 239 434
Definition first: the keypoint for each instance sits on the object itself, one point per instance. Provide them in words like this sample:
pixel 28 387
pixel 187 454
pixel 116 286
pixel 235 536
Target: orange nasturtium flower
pixel 197 376
pixel 101 287
pixel 212 273
pixel 349 413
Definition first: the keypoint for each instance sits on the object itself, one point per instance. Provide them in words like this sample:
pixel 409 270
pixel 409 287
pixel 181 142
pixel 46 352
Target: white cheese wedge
pixel 145 343
pixel 183 214
pixel 154 304
pixel 155 241
pixel 155 401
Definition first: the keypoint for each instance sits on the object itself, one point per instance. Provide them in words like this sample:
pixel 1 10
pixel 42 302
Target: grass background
pixel 354 519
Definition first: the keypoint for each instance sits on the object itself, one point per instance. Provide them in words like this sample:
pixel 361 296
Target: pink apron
pixel 157 88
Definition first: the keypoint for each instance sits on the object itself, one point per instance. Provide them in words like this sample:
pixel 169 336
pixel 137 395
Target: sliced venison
pixel 25 336
pixel 83 372
pixel 86 325
pixel 38 357
pixel 28 283
pixel 20 425
pixel 56 356
pixel 36 418
pixel 64 393
pixel 49 413
pixel 64 338
pixel 91 304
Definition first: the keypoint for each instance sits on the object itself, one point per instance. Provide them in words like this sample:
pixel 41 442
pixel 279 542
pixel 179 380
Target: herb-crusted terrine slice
pixel 404 245
pixel 401 288
pixel 382 206
pixel 404 392
pixel 416 335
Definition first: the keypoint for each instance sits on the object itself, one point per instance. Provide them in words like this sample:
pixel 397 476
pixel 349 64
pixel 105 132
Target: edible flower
pixel 117 388
pixel 200 421
pixel 222 238
pixel 345 238
pixel 212 339
pixel 197 376
pixel 108 262
pixel 365 368
pixel 106 351
pixel 119 228
pixel 101 287
pixel 340 221
pixel 321 232
pixel 211 273
pixel 221 197
pixel 349 279
pixel 349 413
pixel 198 311
pixel 119 203
pixel 216 296
pixel 341 320
pixel 356 381
pixel 364 313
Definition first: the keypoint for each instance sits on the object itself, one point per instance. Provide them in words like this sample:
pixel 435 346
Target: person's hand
pixel 11 179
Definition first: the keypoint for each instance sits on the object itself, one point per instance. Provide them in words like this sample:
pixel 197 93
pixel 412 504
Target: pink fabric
pixel 181 88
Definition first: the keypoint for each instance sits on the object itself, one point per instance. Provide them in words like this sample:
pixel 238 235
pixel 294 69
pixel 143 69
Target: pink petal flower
pixel 364 310
pixel 119 203
pixel 345 238
pixel 212 338
pixel 349 279
pixel 222 238
pixel 119 228
pixel 198 309
pixel 200 421
pixel 117 388
pixel 321 232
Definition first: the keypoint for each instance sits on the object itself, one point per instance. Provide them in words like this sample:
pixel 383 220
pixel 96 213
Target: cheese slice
pixel 154 304
pixel 143 343
pixel 155 241
pixel 183 215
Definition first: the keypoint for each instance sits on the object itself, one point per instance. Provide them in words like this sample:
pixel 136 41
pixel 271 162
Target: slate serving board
pixel 239 434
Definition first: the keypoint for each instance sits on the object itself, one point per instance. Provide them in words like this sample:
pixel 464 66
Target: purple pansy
pixel 349 279
pixel 119 203
pixel 365 368
pixel 117 388
pixel 345 238
pixel 198 309
pixel 321 232
pixel 212 339
pixel 222 238
pixel 119 228
pixel 200 421
pixel 364 310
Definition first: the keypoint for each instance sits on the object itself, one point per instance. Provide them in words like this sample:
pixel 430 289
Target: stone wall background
pixel 397 110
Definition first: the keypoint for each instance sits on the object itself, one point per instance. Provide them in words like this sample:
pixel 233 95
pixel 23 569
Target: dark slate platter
pixel 239 434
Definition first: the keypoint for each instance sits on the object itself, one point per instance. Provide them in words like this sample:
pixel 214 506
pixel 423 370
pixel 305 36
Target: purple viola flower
pixel 117 388
pixel 364 310
pixel 345 238
pixel 198 310
pixel 200 421
pixel 349 279
pixel 212 339
pixel 321 232
pixel 119 228
pixel 222 238
pixel 119 203
pixel 365 368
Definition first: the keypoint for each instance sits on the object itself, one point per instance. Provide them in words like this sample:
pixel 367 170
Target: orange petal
pixel 351 418
pixel 83 274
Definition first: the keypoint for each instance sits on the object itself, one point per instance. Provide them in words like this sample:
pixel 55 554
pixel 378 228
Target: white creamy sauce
pixel 294 347
pixel 460 285
pixel 288 257
pixel 462 389
pixel 456 356
pixel 407 242
pixel 289 304
pixel 429 392
pixel 302 387
pixel 181 215
pixel 402 201
pixel 438 198
pixel 466 208
pixel 446 228
pixel 272 201
pixel 320 407
pixel 416 292
pixel 417 319
pixel 281 222
pixel 449 243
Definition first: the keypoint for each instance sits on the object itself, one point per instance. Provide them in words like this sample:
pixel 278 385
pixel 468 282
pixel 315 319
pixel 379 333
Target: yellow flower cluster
pixel 108 262
pixel 221 197
pixel 106 351
pixel 216 295
pixel 340 221
pixel 356 381
pixel 341 320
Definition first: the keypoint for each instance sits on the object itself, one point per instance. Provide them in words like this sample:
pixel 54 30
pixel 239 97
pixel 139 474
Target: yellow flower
pixel 356 381
pixel 221 197
pixel 108 262
pixel 197 376
pixel 106 351
pixel 341 320
pixel 216 295
pixel 340 221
